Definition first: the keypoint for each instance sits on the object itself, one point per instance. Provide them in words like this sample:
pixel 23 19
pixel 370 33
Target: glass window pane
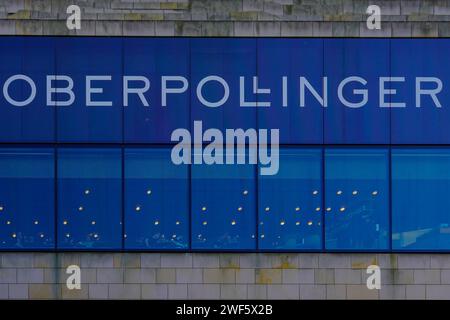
pixel 223 211
pixel 156 200
pixel 101 120
pixel 420 199
pixel 27 211
pixel 89 198
pixel 290 212
pixel 357 198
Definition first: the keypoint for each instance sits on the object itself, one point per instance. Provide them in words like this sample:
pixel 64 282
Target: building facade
pixel 361 177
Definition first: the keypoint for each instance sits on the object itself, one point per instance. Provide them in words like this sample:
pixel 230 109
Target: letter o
pixel 11 100
pixel 226 93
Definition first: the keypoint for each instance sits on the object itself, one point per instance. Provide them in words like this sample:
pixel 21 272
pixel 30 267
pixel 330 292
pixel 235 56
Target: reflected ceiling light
pixel 80 208
pixel 13 235
pixel 245 192
pixel 1 208
pixel 282 222
pixel 267 209
pixel 342 209
pixel 149 192
pixel 297 223
pixel 205 223
pixel 374 193
pixel 204 209
pixel 93 222
pixel 67 235
pixel 138 208
pixel 297 209
pixel 239 209
pixel 262 236
pixel 233 222
pixel 96 236
pixel 41 235
pixel 310 223
pixel 328 209
pixel 156 222
pixel 87 191
pixel 339 192
pixel 8 222
pixel 65 222
pixel 174 236
pixel 318 209
pixel 315 192
pixel 177 223
pixel 355 192
pixel 36 222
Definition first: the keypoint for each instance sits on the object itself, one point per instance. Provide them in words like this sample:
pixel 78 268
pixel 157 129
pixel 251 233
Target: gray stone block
pixel 245 276
pixel 8 275
pixel 324 276
pixel 438 292
pixel 233 291
pixel 138 28
pixel 427 276
pixel 98 291
pixel 154 291
pixel 329 260
pixel 18 291
pixel 348 276
pixel 283 291
pixel 3 291
pixel 392 292
pixel 256 291
pixel 219 276
pixel 124 291
pixel 361 292
pixel 109 28
pixel 97 260
pixel 176 260
pixel 108 275
pixel 165 275
pixel 204 291
pixel 7 27
pixel 298 276
pixel 336 292
pixel 150 260
pixel 312 292
pixel 189 275
pixel 17 260
pixel 140 275
pixel 425 29
pixel 205 260
pixel 177 291
pixel 415 292
pixel 413 261
pixel 164 28
pixel 30 275
pixel 297 29
pixel 268 29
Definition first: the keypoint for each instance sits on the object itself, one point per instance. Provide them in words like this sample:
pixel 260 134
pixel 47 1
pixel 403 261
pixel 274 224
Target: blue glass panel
pixel 81 57
pixel 33 122
pixel 223 211
pixel 357 199
pixel 156 200
pixel 27 212
pixel 229 59
pixel 291 58
pixel 368 59
pixel 420 58
pixel 153 58
pixel 420 199
pixel 290 212
pixel 89 198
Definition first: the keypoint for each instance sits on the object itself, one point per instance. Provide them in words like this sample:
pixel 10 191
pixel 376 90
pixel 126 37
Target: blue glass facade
pixel 100 176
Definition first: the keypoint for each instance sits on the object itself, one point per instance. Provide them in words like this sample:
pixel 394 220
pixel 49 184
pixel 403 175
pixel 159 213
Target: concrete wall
pixel 224 276
pixel 229 276
pixel 306 18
